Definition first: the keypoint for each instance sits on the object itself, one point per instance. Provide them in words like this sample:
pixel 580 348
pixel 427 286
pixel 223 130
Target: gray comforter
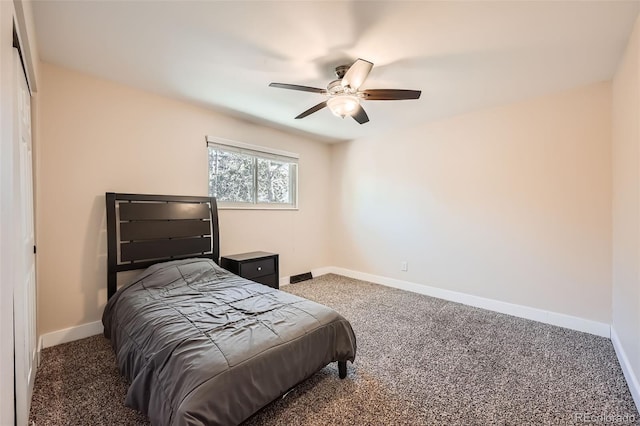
pixel 201 346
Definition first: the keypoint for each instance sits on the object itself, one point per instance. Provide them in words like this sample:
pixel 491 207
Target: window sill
pixel 255 208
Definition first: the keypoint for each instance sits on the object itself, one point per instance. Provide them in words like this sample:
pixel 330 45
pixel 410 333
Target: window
pixel 249 176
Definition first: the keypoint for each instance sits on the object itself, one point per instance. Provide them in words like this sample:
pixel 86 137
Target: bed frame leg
pixel 342 369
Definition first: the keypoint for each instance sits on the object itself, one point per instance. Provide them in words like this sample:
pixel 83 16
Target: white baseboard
pixel 39 354
pixel 70 334
pixel 322 271
pixel 548 317
pixel 535 314
pixel 633 381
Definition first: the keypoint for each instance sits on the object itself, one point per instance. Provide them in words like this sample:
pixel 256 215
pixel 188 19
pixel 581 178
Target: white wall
pixel 626 208
pixel 98 136
pixel 511 203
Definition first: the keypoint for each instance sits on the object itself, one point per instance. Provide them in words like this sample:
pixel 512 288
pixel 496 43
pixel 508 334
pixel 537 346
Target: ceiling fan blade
pixel 360 115
pixel 390 94
pixel 297 87
pixel 312 110
pixel 357 74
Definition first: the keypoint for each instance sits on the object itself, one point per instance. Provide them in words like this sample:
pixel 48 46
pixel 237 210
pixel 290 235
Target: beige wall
pixel 626 202
pixel 97 136
pixel 512 203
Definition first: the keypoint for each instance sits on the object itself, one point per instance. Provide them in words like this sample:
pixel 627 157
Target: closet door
pixel 24 299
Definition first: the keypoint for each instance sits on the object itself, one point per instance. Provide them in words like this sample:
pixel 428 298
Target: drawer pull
pixel 259 268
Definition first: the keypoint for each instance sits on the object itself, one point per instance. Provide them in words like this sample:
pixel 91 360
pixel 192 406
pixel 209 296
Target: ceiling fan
pixel 344 96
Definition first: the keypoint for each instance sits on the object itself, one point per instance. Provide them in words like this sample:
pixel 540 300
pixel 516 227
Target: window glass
pixel 274 181
pixel 241 178
pixel 231 176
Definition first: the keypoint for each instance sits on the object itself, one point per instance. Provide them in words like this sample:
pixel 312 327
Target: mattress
pixel 201 346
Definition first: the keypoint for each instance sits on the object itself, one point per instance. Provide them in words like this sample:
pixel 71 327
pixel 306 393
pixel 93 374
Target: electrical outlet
pixel 404 266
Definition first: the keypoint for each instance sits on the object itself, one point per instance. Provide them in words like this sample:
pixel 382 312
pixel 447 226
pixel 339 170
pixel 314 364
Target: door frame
pixel 14 16
pixel 7 415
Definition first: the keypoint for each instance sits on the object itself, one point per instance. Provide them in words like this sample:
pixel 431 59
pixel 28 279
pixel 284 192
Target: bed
pixel 199 345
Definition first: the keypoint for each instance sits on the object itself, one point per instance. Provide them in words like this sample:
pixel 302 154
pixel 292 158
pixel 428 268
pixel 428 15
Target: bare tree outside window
pixel 273 181
pixel 241 178
pixel 231 176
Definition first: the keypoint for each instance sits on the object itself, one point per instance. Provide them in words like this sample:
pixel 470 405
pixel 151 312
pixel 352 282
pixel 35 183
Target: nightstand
pixel 258 266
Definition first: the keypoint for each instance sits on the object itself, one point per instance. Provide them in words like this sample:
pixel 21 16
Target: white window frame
pixel 257 151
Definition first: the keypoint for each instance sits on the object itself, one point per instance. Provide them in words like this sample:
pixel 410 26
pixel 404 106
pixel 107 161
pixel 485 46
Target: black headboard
pixel 146 229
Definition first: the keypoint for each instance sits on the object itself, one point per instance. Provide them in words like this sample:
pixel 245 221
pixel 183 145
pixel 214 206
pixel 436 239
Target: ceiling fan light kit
pixel 344 94
pixel 343 105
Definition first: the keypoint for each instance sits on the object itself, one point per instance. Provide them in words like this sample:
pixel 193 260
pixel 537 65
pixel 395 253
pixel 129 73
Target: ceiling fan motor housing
pixel 341 70
pixel 335 87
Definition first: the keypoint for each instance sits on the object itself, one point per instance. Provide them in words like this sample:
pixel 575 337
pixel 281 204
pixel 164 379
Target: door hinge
pixel 34 249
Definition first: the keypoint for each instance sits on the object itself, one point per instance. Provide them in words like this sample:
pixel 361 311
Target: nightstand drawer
pixel 270 280
pixel 257 268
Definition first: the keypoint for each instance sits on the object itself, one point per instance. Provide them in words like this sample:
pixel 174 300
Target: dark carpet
pixel 420 360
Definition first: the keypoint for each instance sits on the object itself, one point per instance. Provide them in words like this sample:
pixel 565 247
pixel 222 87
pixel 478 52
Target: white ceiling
pixel 223 54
